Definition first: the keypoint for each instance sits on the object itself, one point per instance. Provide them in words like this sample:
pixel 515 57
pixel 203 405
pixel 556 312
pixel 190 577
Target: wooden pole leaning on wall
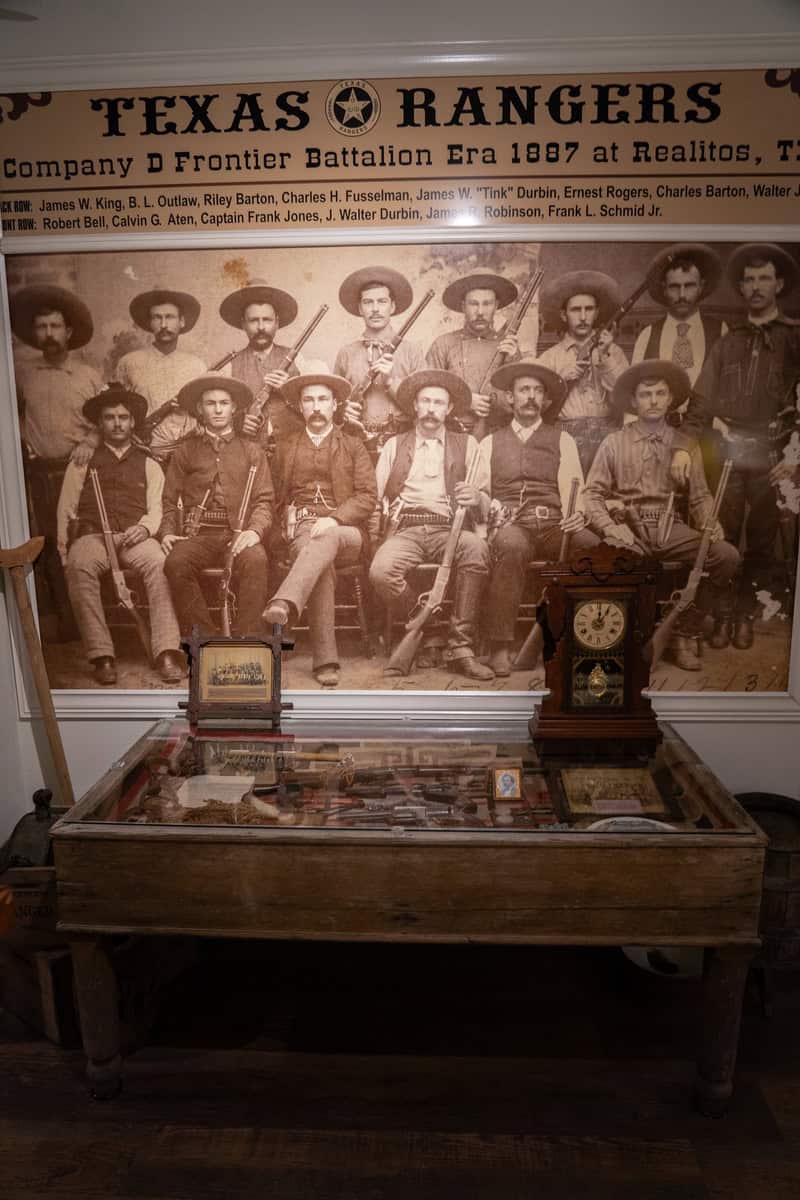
pixel 15 561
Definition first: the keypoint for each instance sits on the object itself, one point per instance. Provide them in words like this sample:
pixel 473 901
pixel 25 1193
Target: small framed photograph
pixel 507 783
pixel 236 679
pixel 235 673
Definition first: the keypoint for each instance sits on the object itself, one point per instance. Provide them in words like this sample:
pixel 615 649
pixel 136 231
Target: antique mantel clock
pixel 597 613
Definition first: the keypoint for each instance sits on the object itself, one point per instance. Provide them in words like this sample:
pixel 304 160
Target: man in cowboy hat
pixel 209 475
pixel 468 351
pixel 159 371
pixel 376 294
pixel 680 277
pixel 531 465
pixel 131 483
pixel 52 390
pixel 422 476
pixel 582 300
pixel 326 494
pixel 260 311
pixel 630 477
pixel 746 383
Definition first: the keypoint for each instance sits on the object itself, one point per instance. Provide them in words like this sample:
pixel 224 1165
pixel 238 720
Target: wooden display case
pixel 407 836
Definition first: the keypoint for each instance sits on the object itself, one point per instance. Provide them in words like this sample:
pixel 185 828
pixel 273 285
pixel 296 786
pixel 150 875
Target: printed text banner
pixel 710 147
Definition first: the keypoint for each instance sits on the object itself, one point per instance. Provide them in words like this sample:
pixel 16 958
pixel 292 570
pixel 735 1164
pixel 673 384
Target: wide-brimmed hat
pixel 192 391
pixel 555 387
pixel 455 293
pixel 650 368
pixel 188 306
pixel 581 283
pixel 115 393
pixel 29 301
pixel 316 373
pixel 707 261
pixel 354 284
pixel 458 391
pixel 785 265
pixel 258 292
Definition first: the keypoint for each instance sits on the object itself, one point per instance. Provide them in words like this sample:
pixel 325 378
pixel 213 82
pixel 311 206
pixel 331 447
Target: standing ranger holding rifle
pixel 210 475
pixel 628 491
pixel 744 384
pixel 588 304
pixel 429 480
pixel 115 501
pixel 535 482
pixel 470 351
pixel 381 358
pixel 158 372
pixel 264 364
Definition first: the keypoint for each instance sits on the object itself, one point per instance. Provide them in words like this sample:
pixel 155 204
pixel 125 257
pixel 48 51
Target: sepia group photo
pixel 379 447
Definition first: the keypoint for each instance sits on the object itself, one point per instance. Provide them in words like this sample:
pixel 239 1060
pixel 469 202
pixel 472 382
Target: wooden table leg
pixel 723 995
pixel 98 1006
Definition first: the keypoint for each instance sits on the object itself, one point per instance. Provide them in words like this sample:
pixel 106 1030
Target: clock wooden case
pixel 597 613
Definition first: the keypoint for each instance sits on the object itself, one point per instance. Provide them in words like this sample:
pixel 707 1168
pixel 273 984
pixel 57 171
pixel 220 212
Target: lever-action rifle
pixel 584 359
pixel 227 569
pixel 512 327
pixel 157 415
pixel 531 648
pixel 683 597
pixel 124 594
pixel 430 603
pixel 256 408
pixel 363 386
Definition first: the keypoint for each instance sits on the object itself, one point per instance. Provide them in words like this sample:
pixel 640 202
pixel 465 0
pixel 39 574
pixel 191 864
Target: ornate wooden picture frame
pixel 236 679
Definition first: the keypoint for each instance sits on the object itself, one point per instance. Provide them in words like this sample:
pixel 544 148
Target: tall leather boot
pixel 460 650
pixel 720 636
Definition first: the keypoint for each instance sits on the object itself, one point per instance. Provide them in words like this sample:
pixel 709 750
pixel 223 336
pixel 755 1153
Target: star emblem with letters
pixel 352 107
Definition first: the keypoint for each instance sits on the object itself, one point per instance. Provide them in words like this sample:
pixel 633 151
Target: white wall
pixel 752 746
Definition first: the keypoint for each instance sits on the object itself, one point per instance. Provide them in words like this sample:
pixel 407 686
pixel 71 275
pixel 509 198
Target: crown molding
pixel 389 59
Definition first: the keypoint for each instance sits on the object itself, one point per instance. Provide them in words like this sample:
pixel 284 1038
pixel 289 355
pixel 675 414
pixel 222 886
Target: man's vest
pixel 533 465
pixel 123 483
pixel 712 330
pixel 455 462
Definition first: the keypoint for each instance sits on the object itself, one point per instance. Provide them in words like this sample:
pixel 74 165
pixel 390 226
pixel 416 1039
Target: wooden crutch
pixel 16 561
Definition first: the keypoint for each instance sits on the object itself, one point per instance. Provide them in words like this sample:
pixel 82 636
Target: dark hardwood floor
pixel 294 1071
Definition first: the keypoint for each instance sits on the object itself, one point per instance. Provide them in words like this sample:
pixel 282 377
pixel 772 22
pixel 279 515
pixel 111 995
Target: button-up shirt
pixel 425 485
pixel 467 356
pixel 632 465
pixel 51 399
pixel 587 396
pixel 199 461
pixel 159 377
pixel 695 334
pixel 74 479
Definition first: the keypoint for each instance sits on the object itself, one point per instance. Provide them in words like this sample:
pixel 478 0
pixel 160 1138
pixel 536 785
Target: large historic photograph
pixel 379 446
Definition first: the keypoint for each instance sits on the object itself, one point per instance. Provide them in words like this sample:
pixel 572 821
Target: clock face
pixel 599 624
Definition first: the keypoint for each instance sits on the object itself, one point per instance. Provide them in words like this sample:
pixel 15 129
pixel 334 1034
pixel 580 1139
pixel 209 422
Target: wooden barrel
pixel 779 817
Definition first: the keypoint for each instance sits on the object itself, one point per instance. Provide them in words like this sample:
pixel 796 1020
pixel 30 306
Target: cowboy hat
pixel 29 301
pixel 650 368
pixel 706 260
pixel 187 306
pixel 114 394
pixel 364 277
pixel 785 265
pixel 257 291
pixel 192 392
pixel 293 388
pixel 457 390
pixel 555 387
pixel 455 293
pixel 581 283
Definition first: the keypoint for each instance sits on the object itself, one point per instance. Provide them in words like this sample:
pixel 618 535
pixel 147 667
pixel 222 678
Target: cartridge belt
pixel 214 517
pixel 650 512
pixel 414 516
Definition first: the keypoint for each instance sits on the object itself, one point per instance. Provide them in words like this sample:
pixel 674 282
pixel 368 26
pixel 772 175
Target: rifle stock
pixel 227 566
pixel 430 603
pixel 123 592
pixel 682 598
pixel 528 653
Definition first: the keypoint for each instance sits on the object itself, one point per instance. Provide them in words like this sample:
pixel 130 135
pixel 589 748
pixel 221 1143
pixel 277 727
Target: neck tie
pixel 682 354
